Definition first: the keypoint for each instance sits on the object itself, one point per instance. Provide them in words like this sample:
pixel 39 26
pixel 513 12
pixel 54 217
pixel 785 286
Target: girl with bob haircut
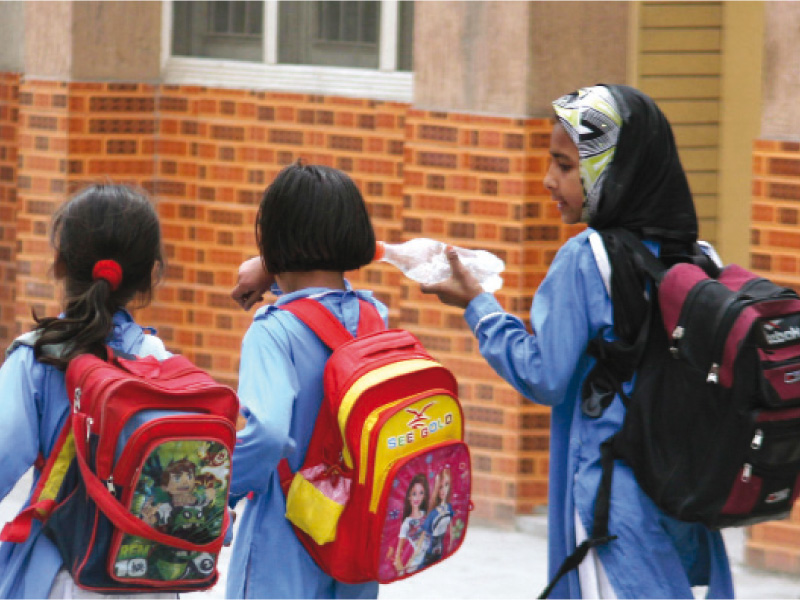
pixel 108 253
pixel 312 226
pixel 613 164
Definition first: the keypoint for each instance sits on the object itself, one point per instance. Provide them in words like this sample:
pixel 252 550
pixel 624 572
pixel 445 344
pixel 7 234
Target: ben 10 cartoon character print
pixel 181 491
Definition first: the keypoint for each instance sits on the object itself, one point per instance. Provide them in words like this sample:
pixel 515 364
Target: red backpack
pixel 135 490
pixel 384 490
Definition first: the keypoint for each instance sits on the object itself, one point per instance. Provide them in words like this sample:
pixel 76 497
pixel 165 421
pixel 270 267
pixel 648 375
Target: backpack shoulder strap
pixel 643 257
pixel 319 320
pixel 29 339
pixel 601 258
pixel 369 319
pixel 327 327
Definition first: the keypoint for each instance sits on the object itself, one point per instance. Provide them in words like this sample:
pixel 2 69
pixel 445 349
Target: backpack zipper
pixel 680 328
pixel 727 315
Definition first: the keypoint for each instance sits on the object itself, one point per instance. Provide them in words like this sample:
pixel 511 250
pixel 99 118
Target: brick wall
pixel 775 251
pixel 9 89
pixel 206 156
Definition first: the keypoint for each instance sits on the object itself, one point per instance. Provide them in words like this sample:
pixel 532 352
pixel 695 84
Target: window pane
pixel 328 33
pixel 405 35
pixel 237 16
pixel 255 17
pixel 206 29
pixel 349 22
pixel 370 22
pixel 331 20
pixel 220 17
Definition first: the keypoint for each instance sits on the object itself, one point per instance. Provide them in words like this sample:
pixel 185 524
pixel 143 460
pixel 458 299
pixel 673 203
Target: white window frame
pixel 385 83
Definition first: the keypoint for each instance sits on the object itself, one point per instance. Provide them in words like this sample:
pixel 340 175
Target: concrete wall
pixel 48 39
pixel 514 58
pixel 93 41
pixel 781 78
pixel 575 44
pixel 471 56
pixel 12 36
pixel 117 41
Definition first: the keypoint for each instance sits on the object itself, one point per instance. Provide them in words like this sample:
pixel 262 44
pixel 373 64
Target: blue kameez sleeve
pixel 267 389
pixel 19 427
pixel 541 365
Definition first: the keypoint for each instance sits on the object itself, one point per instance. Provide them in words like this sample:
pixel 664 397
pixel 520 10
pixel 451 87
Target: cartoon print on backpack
pixel 412 542
pixel 185 499
pixel 440 515
pixel 426 512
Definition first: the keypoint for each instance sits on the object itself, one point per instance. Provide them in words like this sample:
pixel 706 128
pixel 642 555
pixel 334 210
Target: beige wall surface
pixel 575 44
pixel 48 52
pixel 514 58
pixel 12 36
pixel 93 41
pixel 781 82
pixel 119 41
pixel 471 56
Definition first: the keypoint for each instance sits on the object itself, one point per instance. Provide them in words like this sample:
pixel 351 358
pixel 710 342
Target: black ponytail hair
pixel 101 222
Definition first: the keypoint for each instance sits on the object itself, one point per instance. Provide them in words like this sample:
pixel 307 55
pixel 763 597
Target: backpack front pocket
pixel 180 488
pixel 423 510
pixel 769 482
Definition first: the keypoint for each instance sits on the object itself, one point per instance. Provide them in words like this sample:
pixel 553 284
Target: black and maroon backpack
pixel 712 426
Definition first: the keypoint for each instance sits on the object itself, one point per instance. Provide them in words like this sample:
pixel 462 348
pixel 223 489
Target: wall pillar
pixel 775 238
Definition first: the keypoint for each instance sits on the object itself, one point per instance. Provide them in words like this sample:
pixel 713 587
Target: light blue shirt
pixel 280 386
pixel 35 406
pixel 655 555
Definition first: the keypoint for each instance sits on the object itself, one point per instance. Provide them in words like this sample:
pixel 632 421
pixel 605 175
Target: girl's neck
pixel 291 281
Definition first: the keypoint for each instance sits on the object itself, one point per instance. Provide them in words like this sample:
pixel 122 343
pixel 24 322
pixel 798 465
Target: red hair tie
pixel 108 270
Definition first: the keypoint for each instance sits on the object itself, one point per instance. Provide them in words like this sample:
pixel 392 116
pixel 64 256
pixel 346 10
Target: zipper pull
pixel 76 404
pixel 110 484
pixel 89 423
pixel 677 334
pixel 713 374
pixel 747 470
pixel 758 439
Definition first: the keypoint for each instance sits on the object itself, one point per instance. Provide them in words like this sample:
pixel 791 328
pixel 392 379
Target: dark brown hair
pixel 422 480
pixel 101 222
pixel 313 217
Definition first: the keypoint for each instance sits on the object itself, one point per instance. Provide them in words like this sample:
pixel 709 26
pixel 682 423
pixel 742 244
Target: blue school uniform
pixel 280 388
pixel 35 406
pixel 655 555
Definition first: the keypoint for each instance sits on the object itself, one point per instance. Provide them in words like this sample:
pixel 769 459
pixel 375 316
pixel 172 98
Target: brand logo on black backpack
pixel 778 496
pixel 777 332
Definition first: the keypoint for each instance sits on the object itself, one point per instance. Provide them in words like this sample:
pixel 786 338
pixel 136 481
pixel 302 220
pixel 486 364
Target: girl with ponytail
pixel 107 243
pixel 108 254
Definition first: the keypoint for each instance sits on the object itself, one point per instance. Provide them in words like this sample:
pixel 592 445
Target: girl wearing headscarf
pixel 614 164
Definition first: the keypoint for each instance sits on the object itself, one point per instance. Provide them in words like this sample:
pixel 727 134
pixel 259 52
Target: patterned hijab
pixel 629 166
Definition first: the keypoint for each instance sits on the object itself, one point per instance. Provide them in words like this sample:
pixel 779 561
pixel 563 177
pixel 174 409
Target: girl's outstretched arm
pixel 570 307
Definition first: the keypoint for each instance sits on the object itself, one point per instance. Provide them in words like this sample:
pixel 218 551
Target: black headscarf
pixel 645 191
